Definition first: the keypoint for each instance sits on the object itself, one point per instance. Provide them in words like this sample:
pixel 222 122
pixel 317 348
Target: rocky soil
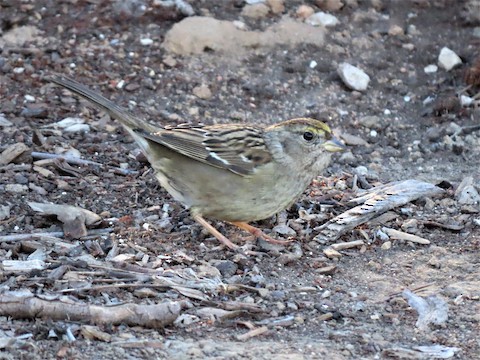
pixel 398 81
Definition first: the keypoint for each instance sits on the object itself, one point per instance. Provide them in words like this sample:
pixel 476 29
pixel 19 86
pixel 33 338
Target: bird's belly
pixel 247 201
pixel 231 197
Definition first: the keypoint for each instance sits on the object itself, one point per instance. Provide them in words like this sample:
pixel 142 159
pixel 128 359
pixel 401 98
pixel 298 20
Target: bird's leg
pixel 259 233
pixel 224 240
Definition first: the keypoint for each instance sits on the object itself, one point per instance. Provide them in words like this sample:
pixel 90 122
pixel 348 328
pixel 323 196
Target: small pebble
pixel 395 30
pixel 323 19
pixel 476 32
pixel 410 226
pixel 387 245
pixel 146 41
pixel 430 69
pixel 16 188
pixel 202 92
pixel 361 170
pixel 277 6
pixel 77 128
pixel 466 101
pixel 412 30
pixel 448 59
pixel 227 268
pixel 4 212
pixel 353 77
pixel 468 196
pixel 304 11
pixel 4 122
pixel 326 294
pixel 330 5
pixel 381 235
pixel 240 25
pixel 255 11
pixel 371 122
pixel 20 179
pixel 347 158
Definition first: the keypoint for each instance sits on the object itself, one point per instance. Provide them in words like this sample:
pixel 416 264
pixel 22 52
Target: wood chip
pixel 253 333
pixel 44 172
pixel 373 203
pixel 23 265
pixel 93 333
pixel 400 235
pixel 326 270
pixel 347 245
pixel 331 253
pixel 12 152
pixel 325 317
pixel 74 218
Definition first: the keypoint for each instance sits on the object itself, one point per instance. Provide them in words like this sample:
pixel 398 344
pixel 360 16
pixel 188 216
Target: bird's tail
pixel 127 119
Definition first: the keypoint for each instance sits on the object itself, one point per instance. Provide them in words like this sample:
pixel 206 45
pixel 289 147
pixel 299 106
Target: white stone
pixel 428 100
pixel 146 41
pixel 353 77
pixel 313 64
pixel 448 59
pixel 4 212
pixel 77 128
pixel 4 121
pixel 29 98
pixel 466 101
pixel 469 196
pixel 240 25
pixel 16 188
pixel 322 18
pixel 69 121
pixel 430 69
pixel 361 170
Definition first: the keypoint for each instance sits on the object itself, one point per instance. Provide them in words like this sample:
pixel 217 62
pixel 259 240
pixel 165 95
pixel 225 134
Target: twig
pixel 400 235
pixel 255 332
pixel 374 202
pixel 77 161
pixel 23 304
pixel 16 167
pixel 50 236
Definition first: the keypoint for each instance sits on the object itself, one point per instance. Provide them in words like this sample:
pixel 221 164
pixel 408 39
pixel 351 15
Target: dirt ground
pixel 300 301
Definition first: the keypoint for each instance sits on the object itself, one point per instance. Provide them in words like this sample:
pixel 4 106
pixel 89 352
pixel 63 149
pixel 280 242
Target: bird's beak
pixel 334 145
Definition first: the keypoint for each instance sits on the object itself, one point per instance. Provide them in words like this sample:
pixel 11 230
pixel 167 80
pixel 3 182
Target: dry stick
pixel 374 202
pixel 23 304
pixel 397 293
pixel 113 286
pixel 50 236
pixel 77 161
pixel 255 332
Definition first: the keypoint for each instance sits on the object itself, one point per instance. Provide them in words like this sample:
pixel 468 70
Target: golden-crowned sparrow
pixel 231 172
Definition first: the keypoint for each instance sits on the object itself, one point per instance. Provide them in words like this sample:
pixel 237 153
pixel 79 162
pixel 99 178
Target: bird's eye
pixel 308 136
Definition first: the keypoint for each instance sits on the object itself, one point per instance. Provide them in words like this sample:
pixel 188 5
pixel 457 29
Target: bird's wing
pixel 237 148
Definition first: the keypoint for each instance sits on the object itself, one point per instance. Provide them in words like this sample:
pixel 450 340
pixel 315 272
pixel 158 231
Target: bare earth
pixel 299 301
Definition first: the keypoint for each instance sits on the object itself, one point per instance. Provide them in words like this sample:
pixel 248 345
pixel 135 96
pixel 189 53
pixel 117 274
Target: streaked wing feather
pixel 236 148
